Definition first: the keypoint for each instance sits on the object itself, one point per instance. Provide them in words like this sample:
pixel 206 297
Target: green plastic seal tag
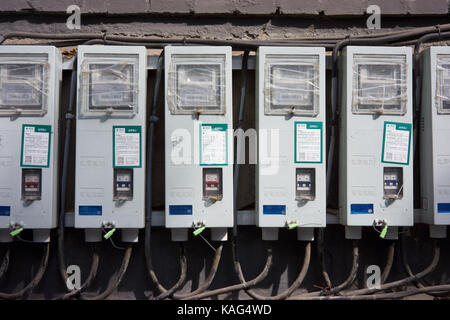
pixel 109 233
pixel 15 232
pixel 292 226
pixel 198 231
pixel 384 231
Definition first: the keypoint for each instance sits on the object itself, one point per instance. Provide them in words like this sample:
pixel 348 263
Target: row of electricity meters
pixel 375 166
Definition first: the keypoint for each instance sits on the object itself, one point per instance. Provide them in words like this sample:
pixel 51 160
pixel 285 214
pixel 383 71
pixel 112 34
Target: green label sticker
pixel 308 142
pixel 35 149
pixel 396 143
pixel 214 144
pixel 127 147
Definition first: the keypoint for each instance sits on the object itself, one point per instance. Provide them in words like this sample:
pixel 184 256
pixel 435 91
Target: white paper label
pixel 127 147
pixel 35 147
pixel 308 139
pixel 396 144
pixel 214 144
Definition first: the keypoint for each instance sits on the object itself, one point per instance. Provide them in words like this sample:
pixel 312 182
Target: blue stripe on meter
pixel 5 211
pixel 361 208
pixel 90 210
pixel 443 207
pixel 274 209
pixel 180 210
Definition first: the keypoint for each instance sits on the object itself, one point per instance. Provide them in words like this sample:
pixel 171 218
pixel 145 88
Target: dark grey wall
pixel 232 19
pixel 228 7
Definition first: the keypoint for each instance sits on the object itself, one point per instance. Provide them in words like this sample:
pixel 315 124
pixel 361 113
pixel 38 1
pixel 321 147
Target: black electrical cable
pixel 347 282
pixel 65 167
pixel 5 261
pixel 321 254
pixel 404 281
pixel 115 280
pixel 205 285
pixel 239 143
pixel 294 286
pixel 92 273
pixel 149 196
pixel 35 281
pixel 260 277
pixel 353 272
pixel 335 290
pixel 389 261
pixel 380 296
pixel 405 262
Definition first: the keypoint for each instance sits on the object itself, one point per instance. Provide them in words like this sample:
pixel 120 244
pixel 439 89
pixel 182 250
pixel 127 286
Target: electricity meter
pixel 434 140
pixel 292 84
pixel 290 113
pixel 375 167
pixel 199 140
pixel 30 81
pixel 109 85
pixel 24 86
pixel 196 84
pixel 379 84
pixel 110 140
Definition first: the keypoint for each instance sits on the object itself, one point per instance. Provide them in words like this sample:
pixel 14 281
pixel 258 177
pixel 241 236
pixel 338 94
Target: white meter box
pixel 110 140
pixel 376 172
pixel 290 120
pixel 30 81
pixel 435 135
pixel 199 140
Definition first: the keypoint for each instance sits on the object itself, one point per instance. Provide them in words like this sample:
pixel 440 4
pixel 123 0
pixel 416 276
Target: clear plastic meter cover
pixel 196 84
pixel 109 85
pixel 379 84
pixel 291 85
pixel 443 84
pixel 24 85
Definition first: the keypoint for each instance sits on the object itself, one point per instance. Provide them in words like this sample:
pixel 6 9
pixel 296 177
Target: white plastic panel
pixel 290 121
pixel 110 140
pixel 30 80
pixel 435 136
pixel 198 140
pixel 376 140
